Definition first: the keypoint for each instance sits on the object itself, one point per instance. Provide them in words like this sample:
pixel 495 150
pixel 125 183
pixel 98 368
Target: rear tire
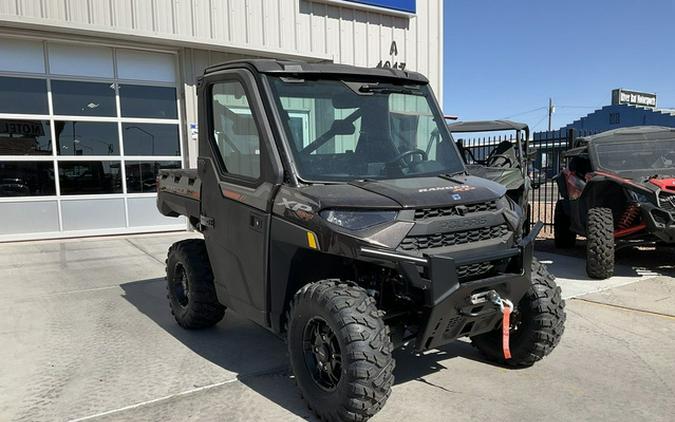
pixel 600 243
pixel 538 323
pixel 564 237
pixel 191 293
pixel 340 351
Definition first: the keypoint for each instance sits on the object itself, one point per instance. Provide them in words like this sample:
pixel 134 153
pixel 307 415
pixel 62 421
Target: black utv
pixel 337 212
pixel 618 190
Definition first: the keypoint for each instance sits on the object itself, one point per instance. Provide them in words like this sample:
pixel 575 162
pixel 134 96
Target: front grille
pixel 440 240
pixel 474 270
pixel 425 213
pixel 667 201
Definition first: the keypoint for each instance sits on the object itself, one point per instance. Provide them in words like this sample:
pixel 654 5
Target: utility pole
pixel 551 110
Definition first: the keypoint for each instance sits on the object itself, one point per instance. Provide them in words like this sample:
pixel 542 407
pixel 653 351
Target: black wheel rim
pixel 322 354
pixel 181 287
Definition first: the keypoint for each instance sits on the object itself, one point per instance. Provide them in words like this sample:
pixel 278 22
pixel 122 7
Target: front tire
pixel 340 351
pixel 600 243
pixel 538 323
pixel 564 238
pixel 190 289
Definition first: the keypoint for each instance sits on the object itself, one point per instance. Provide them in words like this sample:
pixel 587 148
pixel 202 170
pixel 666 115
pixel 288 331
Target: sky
pixel 504 59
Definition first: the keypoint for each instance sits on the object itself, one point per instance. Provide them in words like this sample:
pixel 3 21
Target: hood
pixel 667 185
pixel 434 191
pixel 643 175
pixel 512 178
pixel 420 192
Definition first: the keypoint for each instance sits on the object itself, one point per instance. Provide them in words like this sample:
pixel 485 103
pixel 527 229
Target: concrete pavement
pixel 87 335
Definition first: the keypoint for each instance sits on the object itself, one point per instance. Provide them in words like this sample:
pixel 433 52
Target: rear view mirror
pixel 346 100
pixel 342 127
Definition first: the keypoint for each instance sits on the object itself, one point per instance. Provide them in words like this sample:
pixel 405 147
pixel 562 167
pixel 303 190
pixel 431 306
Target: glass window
pixel 83 98
pixel 86 138
pixel 365 130
pixel 23 96
pixel 148 101
pixel 27 178
pixel 235 130
pixel 80 59
pixel 90 177
pixel 18 55
pixel 146 66
pixel 150 139
pixel 25 137
pixel 142 175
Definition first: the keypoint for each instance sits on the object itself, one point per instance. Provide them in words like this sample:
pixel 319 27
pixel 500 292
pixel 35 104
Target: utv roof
pixel 298 68
pixel 486 126
pixel 645 133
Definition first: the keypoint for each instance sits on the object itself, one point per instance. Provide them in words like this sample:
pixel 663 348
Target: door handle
pixel 256 222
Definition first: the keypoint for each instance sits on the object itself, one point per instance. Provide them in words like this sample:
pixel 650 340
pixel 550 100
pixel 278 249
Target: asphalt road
pixel 86 335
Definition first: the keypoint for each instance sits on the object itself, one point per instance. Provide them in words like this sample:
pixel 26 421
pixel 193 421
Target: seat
pixel 373 149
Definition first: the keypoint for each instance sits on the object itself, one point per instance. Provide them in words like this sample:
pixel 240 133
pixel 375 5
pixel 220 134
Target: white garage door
pixel 83 132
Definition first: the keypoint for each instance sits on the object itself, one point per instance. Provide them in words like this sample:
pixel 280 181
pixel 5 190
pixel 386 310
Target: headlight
pixel 640 196
pixel 357 220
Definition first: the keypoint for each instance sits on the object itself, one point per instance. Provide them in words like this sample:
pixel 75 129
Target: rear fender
pixel 562 186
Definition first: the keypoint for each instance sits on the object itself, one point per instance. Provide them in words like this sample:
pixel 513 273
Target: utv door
pixel 239 168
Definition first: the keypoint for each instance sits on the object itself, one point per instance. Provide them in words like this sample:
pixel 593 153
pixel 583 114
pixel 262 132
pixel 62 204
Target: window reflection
pixel 150 139
pixel 23 95
pixel 90 177
pixel 25 137
pixel 86 138
pixel 83 98
pixel 27 178
pixel 148 101
pixel 235 130
pixel 142 175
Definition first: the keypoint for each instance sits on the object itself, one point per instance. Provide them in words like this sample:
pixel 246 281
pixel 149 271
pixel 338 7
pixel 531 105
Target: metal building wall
pixel 281 28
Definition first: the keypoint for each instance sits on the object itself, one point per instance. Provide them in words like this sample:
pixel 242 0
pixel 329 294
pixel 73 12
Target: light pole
pixel 152 137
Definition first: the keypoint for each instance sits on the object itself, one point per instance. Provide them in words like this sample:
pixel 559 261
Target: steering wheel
pixel 492 161
pixel 399 159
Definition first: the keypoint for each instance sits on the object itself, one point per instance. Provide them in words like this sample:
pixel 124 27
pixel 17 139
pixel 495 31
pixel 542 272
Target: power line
pixel 524 112
pixel 540 121
pixel 577 106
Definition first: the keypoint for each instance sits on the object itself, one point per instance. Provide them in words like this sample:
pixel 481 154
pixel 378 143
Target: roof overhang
pixel 486 126
pixel 645 133
pixel 303 69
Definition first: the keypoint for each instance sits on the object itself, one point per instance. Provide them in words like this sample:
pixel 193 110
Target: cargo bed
pixel 178 193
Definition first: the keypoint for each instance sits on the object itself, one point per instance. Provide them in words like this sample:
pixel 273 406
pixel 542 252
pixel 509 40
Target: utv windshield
pixel 653 157
pixel 346 130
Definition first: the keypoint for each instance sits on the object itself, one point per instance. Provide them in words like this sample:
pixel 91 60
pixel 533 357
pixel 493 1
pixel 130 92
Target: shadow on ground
pixel 629 260
pixel 265 354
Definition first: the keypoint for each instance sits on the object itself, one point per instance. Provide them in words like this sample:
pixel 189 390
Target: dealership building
pixel 628 108
pixel 97 95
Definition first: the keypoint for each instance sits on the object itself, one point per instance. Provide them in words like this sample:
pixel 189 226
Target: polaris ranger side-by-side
pixel 618 190
pixel 337 212
pixel 505 162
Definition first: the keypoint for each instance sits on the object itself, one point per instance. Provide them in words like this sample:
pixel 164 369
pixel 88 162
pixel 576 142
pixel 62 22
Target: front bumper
pixel 449 310
pixel 659 221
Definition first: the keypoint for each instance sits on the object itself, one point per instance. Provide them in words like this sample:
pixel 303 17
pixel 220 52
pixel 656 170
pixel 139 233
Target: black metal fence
pixel 545 161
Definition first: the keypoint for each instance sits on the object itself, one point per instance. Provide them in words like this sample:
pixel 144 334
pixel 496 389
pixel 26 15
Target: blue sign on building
pixel 408 6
